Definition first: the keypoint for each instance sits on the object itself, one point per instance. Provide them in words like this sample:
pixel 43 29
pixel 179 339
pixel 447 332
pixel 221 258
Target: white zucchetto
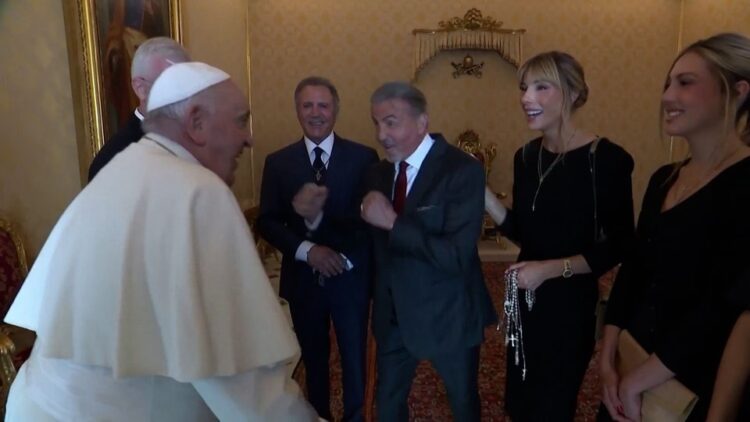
pixel 181 81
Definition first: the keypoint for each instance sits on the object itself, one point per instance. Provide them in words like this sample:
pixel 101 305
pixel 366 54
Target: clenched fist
pixel 309 201
pixel 378 210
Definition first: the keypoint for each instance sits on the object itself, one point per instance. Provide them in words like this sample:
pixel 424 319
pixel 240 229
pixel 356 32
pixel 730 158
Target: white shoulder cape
pixel 152 270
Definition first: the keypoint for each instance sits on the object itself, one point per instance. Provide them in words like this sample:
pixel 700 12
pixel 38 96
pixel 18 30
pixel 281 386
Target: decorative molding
pixel 472 32
pixel 472 21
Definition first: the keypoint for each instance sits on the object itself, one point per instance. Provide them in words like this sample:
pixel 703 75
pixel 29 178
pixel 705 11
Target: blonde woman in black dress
pixel 572 217
pixel 693 231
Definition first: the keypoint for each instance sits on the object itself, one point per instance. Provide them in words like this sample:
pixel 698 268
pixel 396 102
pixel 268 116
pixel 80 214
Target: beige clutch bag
pixel 667 402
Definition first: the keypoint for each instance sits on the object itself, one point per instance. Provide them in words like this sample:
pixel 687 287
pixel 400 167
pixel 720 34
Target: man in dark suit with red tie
pixel 309 210
pixel 430 302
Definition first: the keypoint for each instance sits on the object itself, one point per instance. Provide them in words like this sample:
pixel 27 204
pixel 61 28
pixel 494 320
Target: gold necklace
pixel 543 175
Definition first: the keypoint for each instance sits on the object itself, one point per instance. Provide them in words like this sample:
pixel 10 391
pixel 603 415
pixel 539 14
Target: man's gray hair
pixel 401 91
pixel 158 47
pixel 177 111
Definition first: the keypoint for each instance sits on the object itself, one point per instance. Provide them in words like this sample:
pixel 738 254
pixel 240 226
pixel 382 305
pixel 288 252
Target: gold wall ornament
pixel 472 20
pixel 467 67
pixel 472 32
pixel 98 114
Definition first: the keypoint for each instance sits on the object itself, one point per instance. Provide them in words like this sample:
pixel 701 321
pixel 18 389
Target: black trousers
pixel 458 369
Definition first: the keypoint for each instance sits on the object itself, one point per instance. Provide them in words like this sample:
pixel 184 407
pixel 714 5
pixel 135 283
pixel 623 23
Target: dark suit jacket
pixel 127 134
pixel 428 274
pixel 341 229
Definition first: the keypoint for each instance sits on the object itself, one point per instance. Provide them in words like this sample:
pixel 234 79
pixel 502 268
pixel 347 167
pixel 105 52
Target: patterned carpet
pixel 428 400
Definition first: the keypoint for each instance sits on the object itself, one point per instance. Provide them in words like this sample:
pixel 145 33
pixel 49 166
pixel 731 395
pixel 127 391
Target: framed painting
pixel 102 36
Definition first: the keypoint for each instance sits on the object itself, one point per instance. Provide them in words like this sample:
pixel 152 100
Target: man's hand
pixel 378 210
pixel 326 261
pixel 309 201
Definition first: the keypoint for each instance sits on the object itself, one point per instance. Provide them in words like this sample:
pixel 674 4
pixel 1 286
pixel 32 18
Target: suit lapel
pixel 337 165
pixel 383 178
pixel 428 172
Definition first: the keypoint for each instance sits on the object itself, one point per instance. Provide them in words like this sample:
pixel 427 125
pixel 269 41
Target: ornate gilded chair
pixel 13 270
pixel 468 141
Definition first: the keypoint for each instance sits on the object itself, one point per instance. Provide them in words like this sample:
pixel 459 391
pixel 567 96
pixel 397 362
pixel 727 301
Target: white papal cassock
pixel 151 304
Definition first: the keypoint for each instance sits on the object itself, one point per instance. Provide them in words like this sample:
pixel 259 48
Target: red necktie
pixel 399 191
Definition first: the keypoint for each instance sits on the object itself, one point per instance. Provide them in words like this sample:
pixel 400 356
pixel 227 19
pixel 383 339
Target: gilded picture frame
pixel 101 37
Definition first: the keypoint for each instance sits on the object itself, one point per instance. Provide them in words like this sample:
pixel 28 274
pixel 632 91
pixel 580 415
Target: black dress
pixel 741 297
pixel 583 206
pixel 671 292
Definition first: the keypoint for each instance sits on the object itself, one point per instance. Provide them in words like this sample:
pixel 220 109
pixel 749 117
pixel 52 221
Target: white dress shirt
pixel 415 161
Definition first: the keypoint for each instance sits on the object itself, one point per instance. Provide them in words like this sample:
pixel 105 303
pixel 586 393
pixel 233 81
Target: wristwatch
pixel 567 270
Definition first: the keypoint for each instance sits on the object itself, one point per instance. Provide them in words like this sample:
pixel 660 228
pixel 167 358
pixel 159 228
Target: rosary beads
pixel 512 310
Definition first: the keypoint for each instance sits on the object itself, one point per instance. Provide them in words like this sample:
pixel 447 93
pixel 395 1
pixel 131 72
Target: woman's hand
pixel 494 207
pixel 531 274
pixel 610 384
pixel 631 400
pixel 649 374
pixel 608 375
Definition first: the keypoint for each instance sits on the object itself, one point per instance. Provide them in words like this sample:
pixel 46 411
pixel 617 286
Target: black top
pixel 563 220
pixel 671 290
pixel 125 136
pixel 740 294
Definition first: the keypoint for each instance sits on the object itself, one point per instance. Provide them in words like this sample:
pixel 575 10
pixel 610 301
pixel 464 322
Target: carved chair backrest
pixel 468 141
pixel 13 264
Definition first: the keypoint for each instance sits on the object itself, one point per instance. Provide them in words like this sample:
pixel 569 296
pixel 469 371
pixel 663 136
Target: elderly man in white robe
pixel 149 299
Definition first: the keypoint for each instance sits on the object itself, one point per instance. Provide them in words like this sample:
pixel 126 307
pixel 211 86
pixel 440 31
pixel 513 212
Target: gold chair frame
pixel 469 142
pixel 6 226
pixel 7 347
